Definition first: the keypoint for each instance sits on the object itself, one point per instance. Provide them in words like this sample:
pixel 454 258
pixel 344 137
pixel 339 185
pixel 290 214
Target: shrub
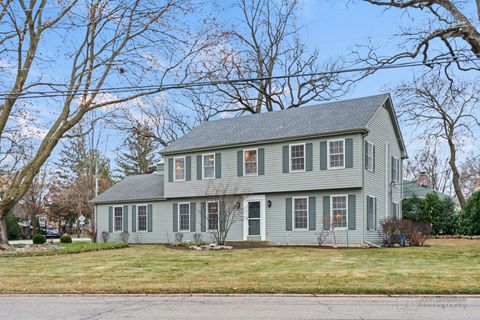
pixel 469 220
pixel 178 237
pixel 13 230
pixel 321 237
pixel 400 231
pixel 65 239
pixel 124 236
pixel 105 236
pixel 39 239
pixel 197 237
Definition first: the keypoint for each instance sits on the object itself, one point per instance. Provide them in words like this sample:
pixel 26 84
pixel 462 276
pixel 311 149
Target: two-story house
pixel 299 171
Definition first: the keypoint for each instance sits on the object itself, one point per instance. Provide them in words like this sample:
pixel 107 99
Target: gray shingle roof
pixel 134 188
pixel 320 119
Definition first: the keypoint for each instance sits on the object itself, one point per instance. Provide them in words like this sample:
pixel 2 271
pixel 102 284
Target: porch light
pixel 269 203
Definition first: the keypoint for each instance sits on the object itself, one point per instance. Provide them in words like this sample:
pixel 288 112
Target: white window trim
pixel 203 166
pixel 396 178
pixel 293 214
pixel 175 170
pixel 218 213
pixel 245 165
pixel 328 155
pixel 146 211
pixel 178 217
pixel 346 210
pixel 397 208
pixel 290 157
pixel 114 229
pixel 374 213
pixel 373 158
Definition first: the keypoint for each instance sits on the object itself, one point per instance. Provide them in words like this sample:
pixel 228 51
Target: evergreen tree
pixel 13 230
pixel 141 154
pixel 469 223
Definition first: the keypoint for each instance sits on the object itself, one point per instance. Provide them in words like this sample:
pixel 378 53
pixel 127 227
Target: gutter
pixel 265 141
pixel 126 201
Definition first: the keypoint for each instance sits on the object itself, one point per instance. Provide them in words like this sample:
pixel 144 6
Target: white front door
pixel 254 217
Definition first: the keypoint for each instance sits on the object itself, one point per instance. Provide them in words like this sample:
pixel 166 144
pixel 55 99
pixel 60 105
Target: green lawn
pixel 448 266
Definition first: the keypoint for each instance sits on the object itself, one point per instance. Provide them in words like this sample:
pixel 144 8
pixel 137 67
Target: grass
pixel 71 248
pixel 446 267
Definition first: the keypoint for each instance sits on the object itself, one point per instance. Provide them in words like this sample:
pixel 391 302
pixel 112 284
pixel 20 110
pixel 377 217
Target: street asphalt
pixel 198 307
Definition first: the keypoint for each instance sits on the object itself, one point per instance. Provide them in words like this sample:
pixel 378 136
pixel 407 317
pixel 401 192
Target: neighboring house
pixel 300 171
pixel 417 189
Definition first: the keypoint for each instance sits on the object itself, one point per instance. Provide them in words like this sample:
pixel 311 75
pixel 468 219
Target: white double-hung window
pixel 300 212
pixel 184 216
pixel 250 161
pixel 208 166
pixel 395 169
pixel 179 169
pixel 212 215
pixel 336 154
pixel 297 157
pixel 142 218
pixel 369 156
pixel 117 219
pixel 339 212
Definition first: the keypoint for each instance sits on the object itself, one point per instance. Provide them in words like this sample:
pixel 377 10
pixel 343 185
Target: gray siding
pixel 377 183
pixel 274 180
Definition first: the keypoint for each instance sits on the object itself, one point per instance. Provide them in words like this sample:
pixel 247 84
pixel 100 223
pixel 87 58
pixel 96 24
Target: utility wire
pixel 163 87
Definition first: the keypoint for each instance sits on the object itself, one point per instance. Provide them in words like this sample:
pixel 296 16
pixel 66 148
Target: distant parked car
pixel 50 234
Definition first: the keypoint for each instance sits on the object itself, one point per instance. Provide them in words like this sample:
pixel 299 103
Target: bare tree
pixel 442 111
pixel 450 31
pixel 470 175
pixel 431 163
pixel 104 43
pixel 264 44
pixel 223 202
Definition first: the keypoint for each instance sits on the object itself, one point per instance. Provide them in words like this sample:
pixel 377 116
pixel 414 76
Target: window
pixel 180 169
pixel 212 215
pixel 395 210
pixel 395 169
pixel 336 154
pixel 142 218
pixel 297 157
pixel 118 219
pixel 339 212
pixel 371 213
pixel 250 161
pixel 369 158
pixel 300 213
pixel 208 166
pixel 184 216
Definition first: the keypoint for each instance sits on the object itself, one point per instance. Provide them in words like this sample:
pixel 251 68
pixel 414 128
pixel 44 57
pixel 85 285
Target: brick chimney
pixel 422 179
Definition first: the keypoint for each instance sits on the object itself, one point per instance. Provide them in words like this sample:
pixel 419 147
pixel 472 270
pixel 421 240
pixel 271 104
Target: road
pixel 238 307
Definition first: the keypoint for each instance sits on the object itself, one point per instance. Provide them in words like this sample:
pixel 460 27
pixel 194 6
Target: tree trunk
pixel 456 174
pixel 3 232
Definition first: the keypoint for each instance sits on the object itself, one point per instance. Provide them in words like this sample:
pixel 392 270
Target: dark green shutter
pixel 188 168
pixel 261 161
pixel 193 216
pixel 199 167
pixel 170 169
pixel 175 217
pixel 351 212
pixel 391 168
pixel 125 218
pixel 288 214
pixel 309 157
pixel 326 213
pixel 150 218
pixel 285 159
pixel 373 158
pixel 240 163
pixel 312 213
pixel 349 153
pixel 366 154
pixel 323 155
pixel 218 165
pixel 369 214
pixel 110 219
pixel 134 218
pixel 203 217
pixel 221 217
pixel 375 215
